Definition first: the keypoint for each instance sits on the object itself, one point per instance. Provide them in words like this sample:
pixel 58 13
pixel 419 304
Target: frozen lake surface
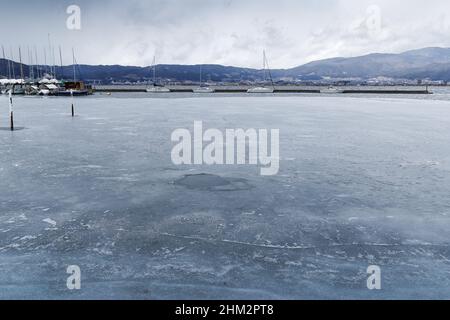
pixel 362 181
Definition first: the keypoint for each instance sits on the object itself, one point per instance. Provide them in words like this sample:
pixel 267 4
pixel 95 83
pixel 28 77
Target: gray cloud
pixel 224 31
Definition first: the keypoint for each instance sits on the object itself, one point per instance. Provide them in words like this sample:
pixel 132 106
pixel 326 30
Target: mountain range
pixel 427 63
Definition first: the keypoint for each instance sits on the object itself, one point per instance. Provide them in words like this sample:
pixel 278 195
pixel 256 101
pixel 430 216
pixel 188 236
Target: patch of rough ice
pixel 50 221
pixel 102 251
pixel 26 238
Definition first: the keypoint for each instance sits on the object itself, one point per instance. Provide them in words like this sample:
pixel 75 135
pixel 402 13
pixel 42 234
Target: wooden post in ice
pixel 73 109
pixel 11 112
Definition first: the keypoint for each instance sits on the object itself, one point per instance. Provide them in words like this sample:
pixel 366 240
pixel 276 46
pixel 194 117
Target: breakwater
pixel 278 89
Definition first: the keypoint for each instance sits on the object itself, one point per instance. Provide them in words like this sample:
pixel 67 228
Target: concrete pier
pixel 279 89
pixel 384 91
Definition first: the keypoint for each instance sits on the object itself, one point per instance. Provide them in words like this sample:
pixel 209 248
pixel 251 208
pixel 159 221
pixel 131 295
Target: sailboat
pixel 9 84
pixel 331 90
pixel 16 86
pixel 203 87
pixel 266 71
pixel 73 88
pixel 156 88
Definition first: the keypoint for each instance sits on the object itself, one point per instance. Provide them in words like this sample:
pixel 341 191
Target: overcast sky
pixel 229 32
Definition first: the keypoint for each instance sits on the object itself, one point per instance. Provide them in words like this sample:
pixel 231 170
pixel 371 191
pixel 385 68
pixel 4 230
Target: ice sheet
pixel 363 181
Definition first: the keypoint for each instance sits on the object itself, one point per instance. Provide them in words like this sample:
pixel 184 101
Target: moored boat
pixel 156 87
pixel 204 90
pixel 16 85
pixel 203 87
pixel 75 88
pixel 260 90
pixel 47 87
pixel 331 90
pixel 266 71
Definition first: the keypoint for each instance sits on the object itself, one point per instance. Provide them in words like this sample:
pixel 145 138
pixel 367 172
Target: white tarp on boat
pixel 11 81
pixel 48 81
pixel 51 86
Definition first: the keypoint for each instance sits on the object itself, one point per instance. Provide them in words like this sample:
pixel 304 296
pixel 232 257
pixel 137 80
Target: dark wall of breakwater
pixel 285 89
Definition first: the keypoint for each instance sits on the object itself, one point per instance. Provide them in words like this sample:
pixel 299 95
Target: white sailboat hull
pixel 331 91
pixel 204 90
pixel 44 92
pixel 260 90
pixel 158 90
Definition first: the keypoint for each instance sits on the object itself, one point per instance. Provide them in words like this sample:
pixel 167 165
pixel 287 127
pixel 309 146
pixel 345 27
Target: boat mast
pixel 74 67
pixel 21 65
pixel 4 56
pixel 12 63
pixel 30 64
pixel 154 70
pixel 10 68
pixel 266 64
pixel 54 63
pixel 60 59
pixel 37 63
pixel 51 52
pixel 45 61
